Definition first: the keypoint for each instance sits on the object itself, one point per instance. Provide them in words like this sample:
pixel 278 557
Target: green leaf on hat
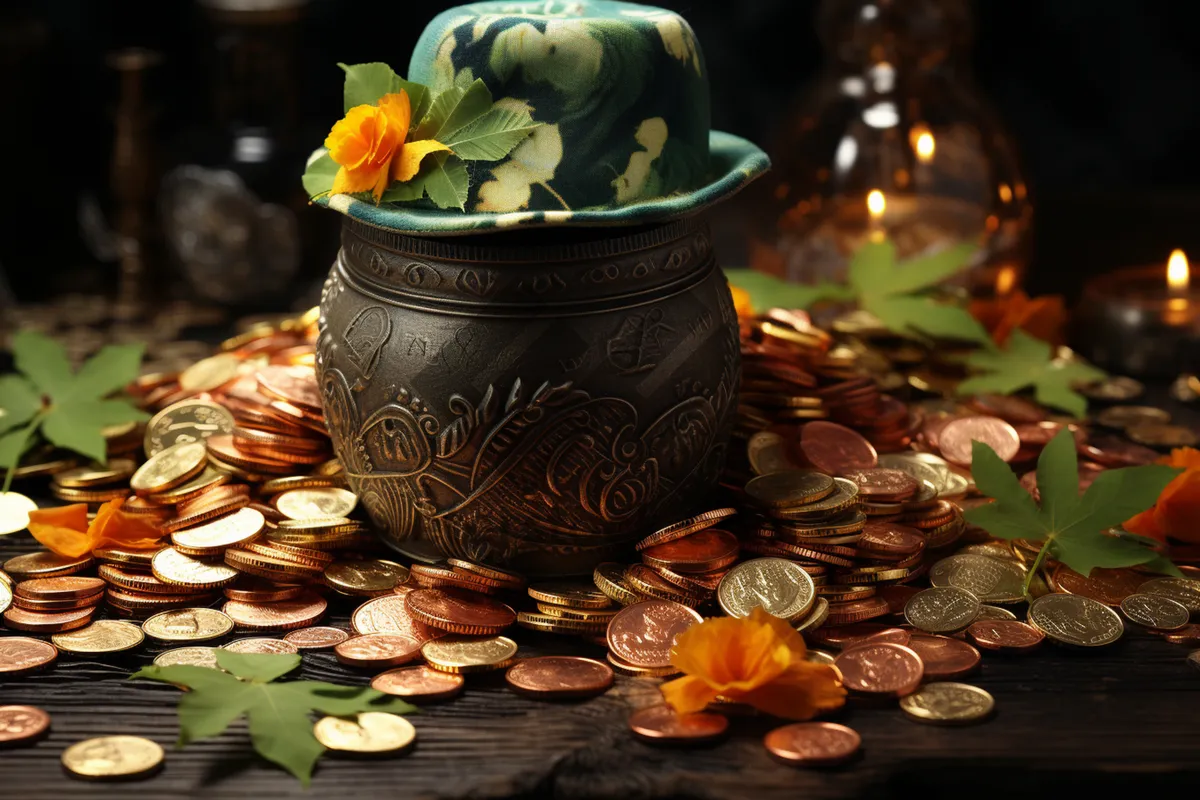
pixel 447 182
pixel 1073 527
pixel 1027 361
pixel 366 83
pixel 453 109
pixel 319 175
pixel 492 136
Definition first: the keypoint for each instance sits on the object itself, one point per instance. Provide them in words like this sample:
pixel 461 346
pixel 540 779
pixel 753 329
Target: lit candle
pixel 876 205
pixel 1141 320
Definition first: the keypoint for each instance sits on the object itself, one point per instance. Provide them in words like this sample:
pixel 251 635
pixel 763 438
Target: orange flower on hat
pixel 759 660
pixel 1176 513
pixel 370 146
pixel 65 530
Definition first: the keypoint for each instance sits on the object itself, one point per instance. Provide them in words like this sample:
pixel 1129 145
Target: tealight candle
pixel 1142 321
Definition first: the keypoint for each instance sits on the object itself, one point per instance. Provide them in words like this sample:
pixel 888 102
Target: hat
pixel 616 96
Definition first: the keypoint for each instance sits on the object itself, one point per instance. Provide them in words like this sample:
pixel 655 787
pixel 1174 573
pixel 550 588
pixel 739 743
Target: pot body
pixel 536 402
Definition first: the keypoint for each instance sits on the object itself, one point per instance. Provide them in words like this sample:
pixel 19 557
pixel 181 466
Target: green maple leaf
pixel 68 408
pixel 278 714
pixel 1072 527
pixel 897 293
pixel 1029 362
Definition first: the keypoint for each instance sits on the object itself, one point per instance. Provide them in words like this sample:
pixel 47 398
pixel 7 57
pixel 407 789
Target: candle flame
pixel 876 203
pixel 925 147
pixel 1178 275
pixel 1006 279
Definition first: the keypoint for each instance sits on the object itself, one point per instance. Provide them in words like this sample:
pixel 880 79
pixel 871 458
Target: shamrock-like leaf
pixel 1072 527
pixel 1027 362
pixel 278 713
pixel 767 291
pixel 68 408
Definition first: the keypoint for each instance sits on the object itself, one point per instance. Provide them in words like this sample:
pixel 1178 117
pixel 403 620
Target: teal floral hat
pixel 559 112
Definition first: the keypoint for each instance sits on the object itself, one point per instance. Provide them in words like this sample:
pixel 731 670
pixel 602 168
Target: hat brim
pixel 733 161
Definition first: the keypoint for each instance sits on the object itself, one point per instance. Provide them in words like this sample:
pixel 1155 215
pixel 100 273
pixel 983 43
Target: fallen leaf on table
pixel 65 530
pixel 1029 362
pixel 278 713
pixel 1072 528
pixel 1176 512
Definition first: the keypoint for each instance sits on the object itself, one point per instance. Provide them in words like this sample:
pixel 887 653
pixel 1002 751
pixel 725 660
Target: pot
pixel 535 401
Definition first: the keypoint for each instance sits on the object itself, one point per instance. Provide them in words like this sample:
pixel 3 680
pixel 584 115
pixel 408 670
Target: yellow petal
pixel 405 166
pixel 801 692
pixel 358 180
pixel 62 530
pixel 398 109
pixel 687 694
pixel 349 141
pixel 114 527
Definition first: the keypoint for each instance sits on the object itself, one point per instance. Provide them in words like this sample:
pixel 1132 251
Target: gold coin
pixel 262 644
pixel 207 479
pixel 572 595
pixel 210 373
pixel 1075 620
pixel 115 555
pixel 942 609
pixel 173 567
pixel 816 618
pixel 186 421
pixel 316 503
pixel 169 468
pixel 320 525
pixel 469 654
pixel 369 732
pixel 187 625
pixel 1185 591
pixel 188 657
pixel 113 757
pixel 779 586
pixel 989 579
pixel 820 657
pixel 213 537
pixel 115 470
pixel 609 578
pixel 1155 611
pixel 556 624
pixel 365 577
pixel 277 486
pixel 102 636
pixel 987 612
pixel 44 564
pixel 14 512
pixel 948 703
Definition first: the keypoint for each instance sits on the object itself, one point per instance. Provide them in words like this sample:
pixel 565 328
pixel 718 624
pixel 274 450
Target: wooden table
pixel 1120 719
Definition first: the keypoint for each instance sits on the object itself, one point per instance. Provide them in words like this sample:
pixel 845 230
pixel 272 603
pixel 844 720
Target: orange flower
pixel 370 145
pixel 1042 317
pixel 757 660
pixel 741 303
pixel 65 530
pixel 1174 515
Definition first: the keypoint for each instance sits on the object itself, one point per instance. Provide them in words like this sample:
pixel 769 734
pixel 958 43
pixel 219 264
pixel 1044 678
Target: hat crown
pixel 620 91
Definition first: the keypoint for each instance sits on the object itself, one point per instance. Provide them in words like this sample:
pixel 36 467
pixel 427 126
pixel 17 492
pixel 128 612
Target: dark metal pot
pixel 534 401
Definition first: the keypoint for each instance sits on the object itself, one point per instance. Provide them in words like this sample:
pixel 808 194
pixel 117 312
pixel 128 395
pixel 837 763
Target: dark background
pixel 1100 96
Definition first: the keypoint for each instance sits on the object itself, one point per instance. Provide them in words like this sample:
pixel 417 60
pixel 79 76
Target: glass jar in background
pixel 894 140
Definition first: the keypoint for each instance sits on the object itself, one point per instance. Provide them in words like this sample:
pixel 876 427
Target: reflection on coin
pixel 188 657
pixel 941 610
pixel 812 743
pixel 419 683
pixel 644 633
pixel 365 577
pixel 559 677
pixel 22 654
pixel 318 637
pixel 779 586
pixel 169 468
pixel 378 650
pixel 789 489
pixel 469 654
pixel 173 567
pixel 369 732
pixel 102 636
pixel 819 657
pixel 1155 611
pixel 44 564
pixel 989 579
pixel 315 503
pixel 948 704
pixel 240 526
pixel 113 757
pixel 1185 591
pixel 14 512
pixel 261 644
pixel 661 725
pixel 1075 620
pixel 187 625
pixel 186 421
pixel 19 724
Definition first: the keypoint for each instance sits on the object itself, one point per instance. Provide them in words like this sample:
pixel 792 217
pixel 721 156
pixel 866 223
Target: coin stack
pixel 53 604
pixel 94 484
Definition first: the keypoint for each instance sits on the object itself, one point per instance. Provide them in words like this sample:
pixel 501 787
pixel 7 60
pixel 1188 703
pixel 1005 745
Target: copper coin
pixel 836 449
pixel 661 725
pixel 297 385
pixel 64 588
pixel 389 614
pixel 58 605
pixel 685 527
pixel 419 684
pixel 897 597
pixel 891 670
pixel 44 564
pixel 431 577
pixel 944 658
pixel 495 575
pixel 812 744
pixel 955 440
pixel 20 724
pixel 889 537
pixel 1188 635
pixel 285 615
pixel 703 551
pixel 1113 451
pixel 319 637
pixel 1016 410
pixel 21 654
pixel 644 633
pixel 377 650
pixel 843 637
pixel 257 590
pixel 559 677
pixel 882 484
pixel 1005 635
pixel 1108 586
pixel 458 611
pixel 48 622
